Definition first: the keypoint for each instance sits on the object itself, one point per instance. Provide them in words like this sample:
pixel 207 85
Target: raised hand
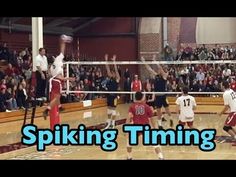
pixel 142 58
pixel 154 57
pixel 113 58
pixel 106 57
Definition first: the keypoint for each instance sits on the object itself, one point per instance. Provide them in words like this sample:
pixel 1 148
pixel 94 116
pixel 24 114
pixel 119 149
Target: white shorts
pixel 111 112
pixel 186 119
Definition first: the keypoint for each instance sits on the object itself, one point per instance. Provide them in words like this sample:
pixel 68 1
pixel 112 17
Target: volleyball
pixel 66 38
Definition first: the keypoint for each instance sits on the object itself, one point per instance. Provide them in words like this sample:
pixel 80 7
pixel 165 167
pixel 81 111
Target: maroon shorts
pixel 56 86
pixel 190 124
pixel 231 119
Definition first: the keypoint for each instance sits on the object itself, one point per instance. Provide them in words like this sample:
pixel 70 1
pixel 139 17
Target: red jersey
pixel 136 85
pixel 141 113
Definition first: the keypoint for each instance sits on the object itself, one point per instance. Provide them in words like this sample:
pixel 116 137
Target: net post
pixel 67 81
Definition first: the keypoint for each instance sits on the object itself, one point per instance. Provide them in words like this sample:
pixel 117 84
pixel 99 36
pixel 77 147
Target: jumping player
pixel 55 83
pixel 112 85
pixel 141 114
pixel 160 86
pixel 185 106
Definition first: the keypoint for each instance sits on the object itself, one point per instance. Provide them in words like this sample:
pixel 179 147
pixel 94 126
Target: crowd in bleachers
pixel 15 79
pixel 199 53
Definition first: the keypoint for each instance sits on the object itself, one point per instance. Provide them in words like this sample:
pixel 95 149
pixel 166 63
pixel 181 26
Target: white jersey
pixel 186 104
pixel 230 99
pixel 57 66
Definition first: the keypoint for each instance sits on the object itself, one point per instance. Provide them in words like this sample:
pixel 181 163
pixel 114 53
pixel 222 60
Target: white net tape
pixel 156 93
pixel 153 62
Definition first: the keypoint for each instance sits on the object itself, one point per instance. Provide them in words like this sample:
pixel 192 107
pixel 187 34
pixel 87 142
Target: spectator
pixel 127 88
pixel 226 73
pixel 201 86
pixel 136 85
pixel 200 75
pixel 4 53
pixel 233 84
pixel 21 96
pixel 11 71
pixel 41 73
pixel 126 73
pixel 188 52
pixel 11 101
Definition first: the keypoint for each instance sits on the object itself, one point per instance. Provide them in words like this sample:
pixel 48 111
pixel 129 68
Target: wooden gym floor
pixel 11 133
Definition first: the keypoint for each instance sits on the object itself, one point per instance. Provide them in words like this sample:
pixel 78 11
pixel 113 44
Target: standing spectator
pixel 168 53
pixel 136 86
pixel 127 88
pixel 42 68
pixel 126 73
pixel 4 53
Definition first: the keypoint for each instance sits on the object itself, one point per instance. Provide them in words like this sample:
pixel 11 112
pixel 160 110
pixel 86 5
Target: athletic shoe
pixel 112 127
pixel 45 114
pixel 61 109
pixel 163 119
pixel 107 126
pixel 171 123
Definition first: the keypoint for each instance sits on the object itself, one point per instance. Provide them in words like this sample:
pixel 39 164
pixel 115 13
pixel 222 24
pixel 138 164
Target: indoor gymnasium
pixel 117 88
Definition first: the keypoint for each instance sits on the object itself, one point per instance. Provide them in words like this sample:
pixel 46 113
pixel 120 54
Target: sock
pixel 159 122
pixel 160 155
pixel 109 121
pixel 113 122
pixel 129 155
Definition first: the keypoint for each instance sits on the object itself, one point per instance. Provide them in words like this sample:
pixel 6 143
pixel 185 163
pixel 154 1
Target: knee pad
pixel 227 128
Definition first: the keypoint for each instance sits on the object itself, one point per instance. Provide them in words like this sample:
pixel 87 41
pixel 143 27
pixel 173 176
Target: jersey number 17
pixel 186 102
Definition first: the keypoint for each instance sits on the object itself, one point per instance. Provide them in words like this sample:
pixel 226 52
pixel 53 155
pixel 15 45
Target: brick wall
pixel 148 43
pixel 173 25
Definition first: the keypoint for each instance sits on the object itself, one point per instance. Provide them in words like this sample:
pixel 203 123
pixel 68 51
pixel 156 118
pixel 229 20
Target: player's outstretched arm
pixel 107 66
pixel 151 71
pixel 163 73
pixel 116 69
